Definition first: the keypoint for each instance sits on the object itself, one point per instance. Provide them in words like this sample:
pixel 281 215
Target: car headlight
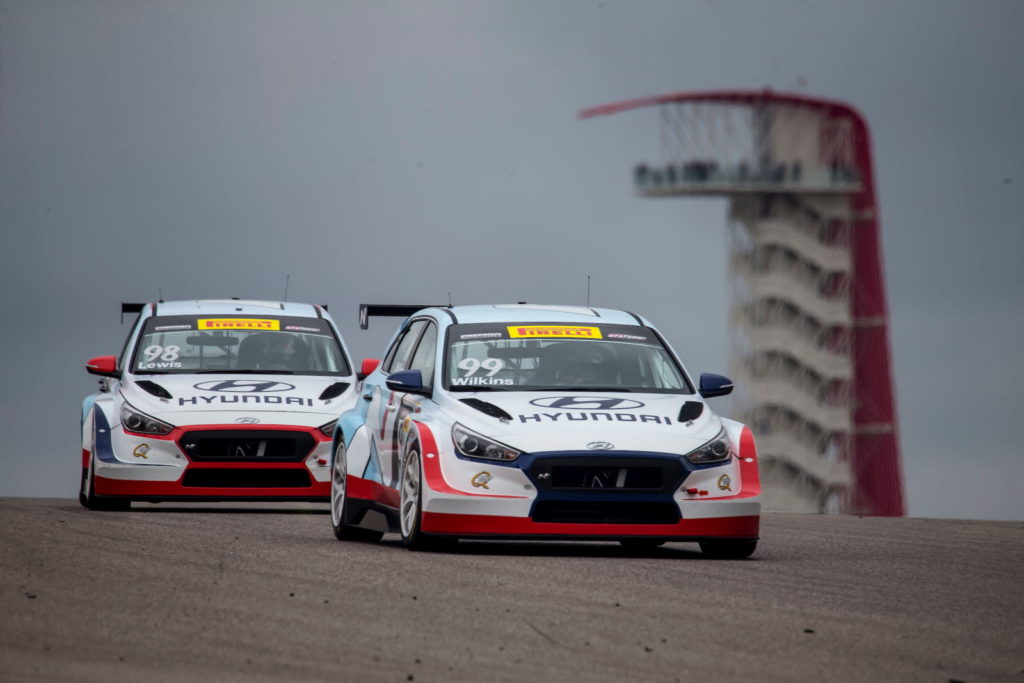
pixel 328 429
pixel 719 449
pixel 136 421
pixel 475 445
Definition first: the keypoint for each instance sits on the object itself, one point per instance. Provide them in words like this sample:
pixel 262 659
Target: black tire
pixel 343 531
pixel 87 496
pixel 410 511
pixel 728 549
pixel 82 497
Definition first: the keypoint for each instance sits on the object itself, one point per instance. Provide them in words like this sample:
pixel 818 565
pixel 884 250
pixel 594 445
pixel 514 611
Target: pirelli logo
pixel 553 331
pixel 238 324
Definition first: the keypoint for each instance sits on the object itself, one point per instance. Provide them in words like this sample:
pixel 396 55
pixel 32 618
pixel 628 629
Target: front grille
pixel 607 474
pixel 246 478
pixel 618 478
pixel 605 512
pixel 246 445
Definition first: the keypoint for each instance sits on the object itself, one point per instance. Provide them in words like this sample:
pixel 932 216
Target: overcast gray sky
pixel 397 151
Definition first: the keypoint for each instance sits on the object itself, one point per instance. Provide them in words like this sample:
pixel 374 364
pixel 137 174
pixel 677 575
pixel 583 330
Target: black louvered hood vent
pixel 690 411
pixel 486 408
pixel 333 391
pixel 153 388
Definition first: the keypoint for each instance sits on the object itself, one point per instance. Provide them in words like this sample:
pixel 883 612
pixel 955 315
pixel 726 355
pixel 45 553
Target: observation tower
pixel 810 335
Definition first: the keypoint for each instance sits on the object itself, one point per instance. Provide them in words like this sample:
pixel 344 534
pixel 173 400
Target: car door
pixel 423 359
pixel 384 405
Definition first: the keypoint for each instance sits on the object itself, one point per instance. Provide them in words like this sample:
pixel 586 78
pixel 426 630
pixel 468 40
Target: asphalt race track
pixel 249 592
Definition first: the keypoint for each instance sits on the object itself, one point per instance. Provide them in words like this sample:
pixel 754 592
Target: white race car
pixel 215 400
pixel 540 422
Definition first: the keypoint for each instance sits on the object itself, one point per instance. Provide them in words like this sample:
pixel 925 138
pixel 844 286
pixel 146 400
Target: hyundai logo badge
pixel 586 403
pixel 600 446
pixel 246 420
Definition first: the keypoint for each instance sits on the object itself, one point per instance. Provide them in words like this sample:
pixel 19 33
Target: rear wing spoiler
pixel 130 308
pixel 392 310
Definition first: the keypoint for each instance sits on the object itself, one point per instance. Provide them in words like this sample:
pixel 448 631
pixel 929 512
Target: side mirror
pixel 104 366
pixel 712 385
pixel 367 368
pixel 410 381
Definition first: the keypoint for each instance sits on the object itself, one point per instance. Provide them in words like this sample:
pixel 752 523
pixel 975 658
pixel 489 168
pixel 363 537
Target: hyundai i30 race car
pixel 213 400
pixel 541 422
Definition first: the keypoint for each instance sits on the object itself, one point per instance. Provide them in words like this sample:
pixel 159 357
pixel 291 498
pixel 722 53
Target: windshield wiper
pixel 565 387
pixel 244 372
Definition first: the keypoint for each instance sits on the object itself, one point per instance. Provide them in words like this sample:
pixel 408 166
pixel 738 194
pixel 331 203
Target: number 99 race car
pixel 215 400
pixel 540 422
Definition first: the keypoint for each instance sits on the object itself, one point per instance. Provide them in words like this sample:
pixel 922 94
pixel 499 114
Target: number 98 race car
pixel 215 400
pixel 540 422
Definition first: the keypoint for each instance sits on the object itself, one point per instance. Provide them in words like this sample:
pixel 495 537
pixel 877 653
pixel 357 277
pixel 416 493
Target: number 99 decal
pixel 471 365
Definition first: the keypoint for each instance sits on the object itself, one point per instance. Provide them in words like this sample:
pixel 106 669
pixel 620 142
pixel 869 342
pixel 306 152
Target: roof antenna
pixel 449 299
pixel 588 291
pixel 287 277
pixel 160 293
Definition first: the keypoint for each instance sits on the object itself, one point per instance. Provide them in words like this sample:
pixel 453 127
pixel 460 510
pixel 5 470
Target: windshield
pixel 192 343
pixel 530 357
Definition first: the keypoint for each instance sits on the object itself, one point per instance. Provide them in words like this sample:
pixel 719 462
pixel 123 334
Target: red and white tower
pixel 810 325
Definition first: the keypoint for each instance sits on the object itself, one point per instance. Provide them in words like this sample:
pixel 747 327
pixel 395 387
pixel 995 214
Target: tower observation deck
pixel 810 341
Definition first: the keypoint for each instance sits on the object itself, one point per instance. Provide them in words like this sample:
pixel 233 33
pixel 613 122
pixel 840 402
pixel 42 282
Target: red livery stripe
pixel 432 473
pixel 172 489
pixel 486 525
pixel 365 489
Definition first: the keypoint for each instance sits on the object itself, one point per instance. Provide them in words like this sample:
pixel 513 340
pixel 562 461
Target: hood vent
pixel 487 408
pixel 333 391
pixel 691 411
pixel 153 388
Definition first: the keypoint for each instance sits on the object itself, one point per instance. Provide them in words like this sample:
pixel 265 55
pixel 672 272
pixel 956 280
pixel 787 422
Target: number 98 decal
pixel 160 357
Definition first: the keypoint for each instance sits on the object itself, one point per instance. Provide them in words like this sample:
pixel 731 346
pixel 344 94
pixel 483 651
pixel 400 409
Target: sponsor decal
pixel 600 446
pixel 246 420
pixel 238 324
pixel 473 381
pixel 141 450
pixel 630 337
pixel 480 480
pixel 595 417
pixel 725 482
pixel 247 386
pixel 481 335
pixel 300 328
pixel 169 328
pixel 586 402
pixel 553 332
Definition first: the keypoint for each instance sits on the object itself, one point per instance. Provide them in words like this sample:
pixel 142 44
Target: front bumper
pixel 581 495
pixel 215 462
